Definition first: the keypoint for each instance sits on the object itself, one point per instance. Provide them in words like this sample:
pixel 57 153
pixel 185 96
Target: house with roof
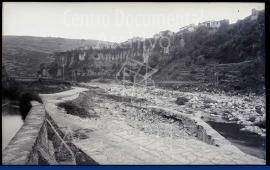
pixel 213 24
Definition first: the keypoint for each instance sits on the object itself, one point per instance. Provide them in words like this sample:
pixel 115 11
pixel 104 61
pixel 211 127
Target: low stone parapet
pixel 20 148
pixel 40 142
pixel 198 127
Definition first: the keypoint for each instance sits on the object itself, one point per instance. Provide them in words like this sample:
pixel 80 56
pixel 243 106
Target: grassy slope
pixel 22 55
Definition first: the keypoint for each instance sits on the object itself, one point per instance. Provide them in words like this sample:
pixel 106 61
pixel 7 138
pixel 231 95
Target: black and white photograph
pixel 133 83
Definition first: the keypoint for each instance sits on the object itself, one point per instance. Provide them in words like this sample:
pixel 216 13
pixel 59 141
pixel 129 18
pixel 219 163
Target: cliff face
pixel 90 63
pixel 83 64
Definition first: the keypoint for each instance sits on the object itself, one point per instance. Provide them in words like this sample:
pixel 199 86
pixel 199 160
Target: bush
pixel 201 60
pixel 74 109
pixel 208 100
pixel 188 61
pixel 190 77
pixel 261 124
pixel 25 104
pixel 181 100
pixel 13 91
pixel 193 71
pixel 252 119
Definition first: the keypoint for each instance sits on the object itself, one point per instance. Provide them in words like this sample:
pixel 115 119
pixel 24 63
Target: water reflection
pixel 11 123
pixel 248 142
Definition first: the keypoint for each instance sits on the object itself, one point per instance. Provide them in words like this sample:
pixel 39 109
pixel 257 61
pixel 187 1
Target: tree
pixel 53 69
pixel 201 60
pixel 188 61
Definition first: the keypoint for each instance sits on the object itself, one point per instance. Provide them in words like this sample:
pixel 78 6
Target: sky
pixel 115 22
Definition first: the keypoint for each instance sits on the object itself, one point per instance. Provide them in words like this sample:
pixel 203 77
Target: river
pixel 11 123
pixel 248 142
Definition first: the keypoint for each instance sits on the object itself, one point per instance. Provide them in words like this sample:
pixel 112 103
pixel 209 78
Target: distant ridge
pixel 22 55
pixel 47 44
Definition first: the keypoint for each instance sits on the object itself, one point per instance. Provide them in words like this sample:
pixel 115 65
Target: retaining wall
pixel 198 128
pixel 40 142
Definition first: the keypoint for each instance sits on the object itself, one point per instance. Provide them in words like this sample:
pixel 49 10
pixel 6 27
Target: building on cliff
pixel 254 14
pixel 190 28
pixel 213 24
pixel 166 33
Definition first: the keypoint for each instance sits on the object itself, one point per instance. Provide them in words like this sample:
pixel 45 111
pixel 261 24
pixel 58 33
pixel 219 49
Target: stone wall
pixel 20 148
pixel 198 128
pixel 40 142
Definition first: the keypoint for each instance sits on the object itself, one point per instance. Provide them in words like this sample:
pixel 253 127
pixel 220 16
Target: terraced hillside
pixel 177 72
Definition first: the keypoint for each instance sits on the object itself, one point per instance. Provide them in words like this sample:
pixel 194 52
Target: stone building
pixel 213 24
pixel 254 14
pixel 135 39
pixel 166 33
pixel 190 28
pixel 156 36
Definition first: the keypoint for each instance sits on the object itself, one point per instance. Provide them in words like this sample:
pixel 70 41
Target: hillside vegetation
pixel 239 43
pixel 231 57
pixel 22 55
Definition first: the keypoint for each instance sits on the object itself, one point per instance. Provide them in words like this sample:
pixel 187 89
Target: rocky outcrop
pixel 79 64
